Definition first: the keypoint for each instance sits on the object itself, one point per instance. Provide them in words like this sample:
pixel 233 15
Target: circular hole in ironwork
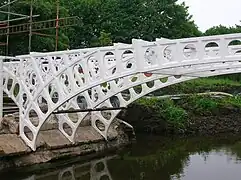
pixel 10 83
pixel 167 53
pixel 115 102
pixel 93 66
pixel 44 65
pixel 67 129
pixel 104 177
pixel 99 167
pixel 51 88
pixel 134 79
pixel 211 49
pixel 100 125
pixel 126 55
pixel 82 103
pixel 73 116
pixel 43 104
pixel 113 71
pixel 150 56
pixel 33 117
pixel 119 82
pixel 148 74
pixel 109 60
pixel 16 90
pixel 128 65
pixel 234 43
pixel 28 133
pixel 211 44
pixel 138 89
pixel 238 52
pixel 80 69
pixel 150 84
pixel 96 96
pixel 190 51
pixel 55 97
pixel 67 175
pixel 234 47
pixel 24 98
pixel 105 87
pixel 177 76
pixel 106 114
pixel 33 79
pixel 126 95
pixel 164 80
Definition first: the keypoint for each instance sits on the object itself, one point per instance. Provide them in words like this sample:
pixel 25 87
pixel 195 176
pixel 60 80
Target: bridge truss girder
pixel 108 76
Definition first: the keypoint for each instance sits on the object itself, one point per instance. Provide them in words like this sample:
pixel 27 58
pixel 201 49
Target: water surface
pixel 152 158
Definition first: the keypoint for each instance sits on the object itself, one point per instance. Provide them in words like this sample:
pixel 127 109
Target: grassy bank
pixel 203 85
pixel 188 115
pixel 200 114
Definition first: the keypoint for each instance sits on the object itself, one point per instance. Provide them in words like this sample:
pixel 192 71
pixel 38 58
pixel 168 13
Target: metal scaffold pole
pixel 1 89
pixel 30 27
pixel 7 42
pixel 57 26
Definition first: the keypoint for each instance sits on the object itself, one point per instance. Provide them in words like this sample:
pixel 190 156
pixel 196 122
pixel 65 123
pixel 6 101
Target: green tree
pixel 217 30
pixel 103 40
pixel 128 19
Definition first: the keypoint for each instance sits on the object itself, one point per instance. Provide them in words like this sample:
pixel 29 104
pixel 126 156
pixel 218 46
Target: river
pixel 151 158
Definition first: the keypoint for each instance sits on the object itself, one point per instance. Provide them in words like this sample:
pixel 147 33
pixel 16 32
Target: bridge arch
pixel 106 103
pixel 73 73
pixel 156 78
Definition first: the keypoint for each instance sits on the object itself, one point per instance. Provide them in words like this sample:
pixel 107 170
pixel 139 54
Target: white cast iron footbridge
pixel 107 77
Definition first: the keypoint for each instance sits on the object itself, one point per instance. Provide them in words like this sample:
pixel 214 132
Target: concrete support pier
pixel 52 145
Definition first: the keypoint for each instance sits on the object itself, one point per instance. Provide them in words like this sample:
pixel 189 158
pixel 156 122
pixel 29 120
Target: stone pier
pixel 52 145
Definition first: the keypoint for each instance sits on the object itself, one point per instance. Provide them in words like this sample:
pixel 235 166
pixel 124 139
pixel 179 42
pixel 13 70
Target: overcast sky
pixel 208 13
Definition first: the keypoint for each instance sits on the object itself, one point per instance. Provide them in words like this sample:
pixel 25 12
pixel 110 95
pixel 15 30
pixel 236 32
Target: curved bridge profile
pixel 111 76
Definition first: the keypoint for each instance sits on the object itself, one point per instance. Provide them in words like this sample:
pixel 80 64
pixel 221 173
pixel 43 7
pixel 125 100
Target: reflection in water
pixel 94 170
pixel 216 165
pixel 155 158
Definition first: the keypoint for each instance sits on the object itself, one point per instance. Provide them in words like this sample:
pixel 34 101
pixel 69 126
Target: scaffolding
pixel 32 27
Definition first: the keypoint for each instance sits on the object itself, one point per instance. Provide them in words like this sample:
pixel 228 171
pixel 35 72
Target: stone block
pixel 54 139
pixel 87 134
pixel 11 144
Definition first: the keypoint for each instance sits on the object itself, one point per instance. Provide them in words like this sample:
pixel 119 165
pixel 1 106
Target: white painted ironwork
pixel 1 89
pixel 113 76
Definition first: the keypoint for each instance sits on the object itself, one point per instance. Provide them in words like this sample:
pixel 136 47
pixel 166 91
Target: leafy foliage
pixel 166 109
pixel 217 30
pixel 103 22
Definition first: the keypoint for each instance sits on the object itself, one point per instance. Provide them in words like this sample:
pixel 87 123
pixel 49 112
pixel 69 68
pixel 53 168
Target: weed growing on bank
pixel 178 113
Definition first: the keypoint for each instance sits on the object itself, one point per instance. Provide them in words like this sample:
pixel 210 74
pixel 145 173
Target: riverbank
pixel 188 115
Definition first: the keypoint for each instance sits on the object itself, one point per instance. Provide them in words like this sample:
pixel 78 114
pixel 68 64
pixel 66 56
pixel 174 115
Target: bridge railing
pixel 1 89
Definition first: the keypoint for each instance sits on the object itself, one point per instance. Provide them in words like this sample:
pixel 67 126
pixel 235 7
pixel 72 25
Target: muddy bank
pixel 189 116
pixel 52 145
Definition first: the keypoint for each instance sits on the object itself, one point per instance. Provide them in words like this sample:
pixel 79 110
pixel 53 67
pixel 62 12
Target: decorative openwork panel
pixel 114 76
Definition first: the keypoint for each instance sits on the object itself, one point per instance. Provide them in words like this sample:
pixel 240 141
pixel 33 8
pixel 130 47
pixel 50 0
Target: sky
pixel 209 13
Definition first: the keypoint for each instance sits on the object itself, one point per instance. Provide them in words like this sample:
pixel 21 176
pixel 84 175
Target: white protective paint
pixel 1 90
pixel 108 76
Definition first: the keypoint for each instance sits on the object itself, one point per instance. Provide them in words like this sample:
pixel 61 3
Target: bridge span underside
pixel 107 77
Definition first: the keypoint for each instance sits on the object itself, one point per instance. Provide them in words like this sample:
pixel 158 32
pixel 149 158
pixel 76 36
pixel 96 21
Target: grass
pixel 177 114
pixel 202 85
pixel 166 109
pixel 201 104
